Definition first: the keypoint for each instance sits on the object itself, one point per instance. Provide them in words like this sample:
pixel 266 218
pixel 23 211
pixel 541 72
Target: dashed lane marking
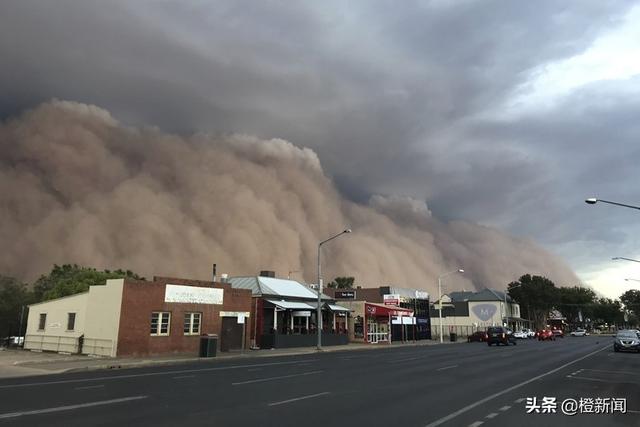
pixel 447 367
pixel 505 408
pixel 522 399
pixel 476 424
pixel 492 415
pixel 510 389
pixel 282 402
pixel 281 377
pixel 70 407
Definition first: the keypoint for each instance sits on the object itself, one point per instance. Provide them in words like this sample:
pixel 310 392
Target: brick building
pixel 128 317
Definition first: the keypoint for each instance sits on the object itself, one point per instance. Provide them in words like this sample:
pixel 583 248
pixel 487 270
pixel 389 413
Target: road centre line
pixel 261 380
pixel 406 360
pixel 476 424
pixel 522 399
pixel 446 367
pixel 282 402
pixel 505 408
pixel 70 407
pixel 89 387
pixel 151 374
pixel 492 415
pixel 184 376
pixel 510 389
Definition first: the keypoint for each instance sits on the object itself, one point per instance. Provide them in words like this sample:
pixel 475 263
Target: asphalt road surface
pixel 448 385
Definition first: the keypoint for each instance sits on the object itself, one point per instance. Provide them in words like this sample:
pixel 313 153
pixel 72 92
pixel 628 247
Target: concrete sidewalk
pixel 20 363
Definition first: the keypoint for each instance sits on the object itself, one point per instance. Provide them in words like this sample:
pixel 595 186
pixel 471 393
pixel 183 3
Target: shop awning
pixel 335 307
pixel 291 305
pixel 372 309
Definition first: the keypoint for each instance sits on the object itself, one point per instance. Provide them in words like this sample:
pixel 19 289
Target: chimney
pixel 224 278
pixel 267 273
pixel 214 272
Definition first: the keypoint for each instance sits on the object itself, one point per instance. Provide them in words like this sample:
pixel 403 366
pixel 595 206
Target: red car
pixel 545 335
pixel 558 333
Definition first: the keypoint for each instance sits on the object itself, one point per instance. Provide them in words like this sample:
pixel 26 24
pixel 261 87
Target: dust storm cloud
pixel 79 187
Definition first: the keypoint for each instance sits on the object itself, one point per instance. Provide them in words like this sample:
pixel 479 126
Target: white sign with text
pixel 193 294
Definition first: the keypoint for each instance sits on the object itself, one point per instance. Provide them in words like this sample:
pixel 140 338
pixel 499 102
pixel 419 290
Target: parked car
pixel 478 336
pixel 558 333
pixel 579 333
pixel 500 335
pixel 545 335
pixel 626 341
pixel 521 335
pixel 530 333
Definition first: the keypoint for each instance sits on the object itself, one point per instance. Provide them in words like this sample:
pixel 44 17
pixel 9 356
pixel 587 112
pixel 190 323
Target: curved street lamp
pixel 626 259
pixel 594 200
pixel 319 308
pixel 460 270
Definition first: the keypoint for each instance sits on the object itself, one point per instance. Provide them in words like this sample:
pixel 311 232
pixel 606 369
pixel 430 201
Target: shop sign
pixel 193 294
pixel 345 294
pixel 422 295
pixel 391 299
pixel 301 314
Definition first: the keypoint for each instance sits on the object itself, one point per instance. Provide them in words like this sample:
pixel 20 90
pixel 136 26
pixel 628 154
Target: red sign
pixel 381 310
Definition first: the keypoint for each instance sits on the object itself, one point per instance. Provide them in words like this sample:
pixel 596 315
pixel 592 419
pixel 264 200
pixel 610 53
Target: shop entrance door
pixel 372 332
pixel 231 337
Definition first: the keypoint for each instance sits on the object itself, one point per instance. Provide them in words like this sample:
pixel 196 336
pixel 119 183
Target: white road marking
pixel 594 379
pixel 492 415
pixel 505 408
pixel 522 399
pixel 510 389
pixel 89 387
pixel 184 376
pixel 254 369
pixel 151 374
pixel 281 377
pixel 282 402
pixel 476 424
pixel 611 372
pixel 70 407
pixel 447 367
pixel 633 412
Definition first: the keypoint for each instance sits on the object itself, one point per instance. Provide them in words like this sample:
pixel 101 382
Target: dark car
pixel 478 336
pixel 626 341
pixel 500 335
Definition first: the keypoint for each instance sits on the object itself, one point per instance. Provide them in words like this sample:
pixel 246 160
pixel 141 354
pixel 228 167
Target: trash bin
pixel 208 345
pixel 453 336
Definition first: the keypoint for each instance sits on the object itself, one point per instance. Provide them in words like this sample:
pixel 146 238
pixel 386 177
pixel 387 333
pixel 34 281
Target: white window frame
pixel 162 315
pixel 188 317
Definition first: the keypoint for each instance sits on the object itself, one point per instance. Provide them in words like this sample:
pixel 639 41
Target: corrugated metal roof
pixel 488 295
pixel 291 305
pixel 261 286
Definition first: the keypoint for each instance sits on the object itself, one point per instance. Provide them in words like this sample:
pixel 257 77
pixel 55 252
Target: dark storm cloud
pixel 391 95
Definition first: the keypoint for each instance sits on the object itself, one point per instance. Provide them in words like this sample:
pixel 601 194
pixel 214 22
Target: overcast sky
pixel 506 114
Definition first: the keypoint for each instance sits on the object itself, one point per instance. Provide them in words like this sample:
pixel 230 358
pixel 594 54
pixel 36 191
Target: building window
pixel 192 323
pixel 160 321
pixel 42 322
pixel 71 321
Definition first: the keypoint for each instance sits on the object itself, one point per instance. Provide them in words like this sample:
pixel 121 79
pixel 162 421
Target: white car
pixel 522 335
pixel 529 332
pixel 579 333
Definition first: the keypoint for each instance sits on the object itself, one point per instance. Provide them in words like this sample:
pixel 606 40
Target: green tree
pixel 631 301
pixel 13 296
pixel 536 295
pixel 606 310
pixel 342 283
pixel 72 279
pixel 573 300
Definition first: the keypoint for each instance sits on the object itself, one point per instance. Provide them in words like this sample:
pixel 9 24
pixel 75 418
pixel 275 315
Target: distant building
pixel 128 317
pixel 283 313
pixel 465 312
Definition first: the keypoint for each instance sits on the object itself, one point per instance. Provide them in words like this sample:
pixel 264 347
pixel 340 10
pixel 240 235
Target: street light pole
pixel 319 308
pixel 440 297
pixel 626 259
pixel 594 200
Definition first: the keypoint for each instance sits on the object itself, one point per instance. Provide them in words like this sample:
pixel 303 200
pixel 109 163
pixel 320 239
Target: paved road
pixel 449 385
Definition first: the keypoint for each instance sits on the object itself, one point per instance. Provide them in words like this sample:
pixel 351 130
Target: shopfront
pixel 372 323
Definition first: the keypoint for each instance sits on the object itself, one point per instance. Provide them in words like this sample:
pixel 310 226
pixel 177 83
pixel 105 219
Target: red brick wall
pixel 141 298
